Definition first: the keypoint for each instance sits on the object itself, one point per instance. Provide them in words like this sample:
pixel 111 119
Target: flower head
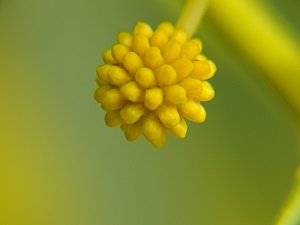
pixel 152 81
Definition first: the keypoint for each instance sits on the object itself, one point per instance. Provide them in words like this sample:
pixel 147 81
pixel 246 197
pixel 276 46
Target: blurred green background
pixel 60 164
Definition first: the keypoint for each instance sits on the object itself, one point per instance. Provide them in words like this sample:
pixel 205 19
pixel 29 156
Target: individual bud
pixel 125 38
pixel 132 112
pixel 113 118
pixel 165 75
pixel 107 57
pixel 153 98
pixel 132 92
pixel 132 62
pixel 145 77
pixel 180 129
pixel 118 76
pixel 153 58
pixel 175 94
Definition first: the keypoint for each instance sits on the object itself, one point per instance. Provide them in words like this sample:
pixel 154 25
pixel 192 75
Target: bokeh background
pixel 60 164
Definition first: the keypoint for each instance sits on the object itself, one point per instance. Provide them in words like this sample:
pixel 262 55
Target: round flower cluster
pixel 152 81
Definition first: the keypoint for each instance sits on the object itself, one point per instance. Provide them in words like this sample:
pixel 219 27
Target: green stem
pixel 290 214
pixel 192 15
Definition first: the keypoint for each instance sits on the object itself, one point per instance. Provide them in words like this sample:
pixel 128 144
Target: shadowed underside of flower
pixel 152 81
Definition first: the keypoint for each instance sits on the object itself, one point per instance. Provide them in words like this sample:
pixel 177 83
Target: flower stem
pixel 192 15
pixel 290 213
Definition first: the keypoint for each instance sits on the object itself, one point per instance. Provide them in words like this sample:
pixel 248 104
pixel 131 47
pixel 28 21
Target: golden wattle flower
pixel 152 81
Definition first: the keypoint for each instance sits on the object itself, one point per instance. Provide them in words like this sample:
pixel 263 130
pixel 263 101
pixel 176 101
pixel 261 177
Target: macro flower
pixel 152 81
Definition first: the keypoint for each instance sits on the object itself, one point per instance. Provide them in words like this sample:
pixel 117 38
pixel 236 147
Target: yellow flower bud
pixel 125 38
pixel 140 44
pixel 180 129
pixel 145 77
pixel 153 98
pixel 192 111
pixel 107 57
pixel 175 94
pixel 132 62
pixel 112 100
pixel 153 58
pixel 152 81
pixel 171 51
pixel 208 92
pixel 168 115
pixel 193 87
pixel 132 92
pixel 143 29
pixel 118 52
pixel 118 76
pixel 159 38
pixel 113 118
pixel 183 67
pixel 165 75
pixel 131 113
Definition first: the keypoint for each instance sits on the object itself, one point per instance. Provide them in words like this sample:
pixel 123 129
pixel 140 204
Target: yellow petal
pixel 153 98
pixel 132 112
pixel 132 92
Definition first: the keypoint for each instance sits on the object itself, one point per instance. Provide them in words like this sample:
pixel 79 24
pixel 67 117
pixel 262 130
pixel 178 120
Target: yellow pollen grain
pixel 165 75
pixel 132 112
pixel 125 38
pixel 153 98
pixel 107 57
pixel 118 76
pixel 180 129
pixel 118 51
pixel 113 118
pixel 132 62
pixel 153 58
pixel 145 77
pixel 132 92
pixel 168 115
pixel 175 94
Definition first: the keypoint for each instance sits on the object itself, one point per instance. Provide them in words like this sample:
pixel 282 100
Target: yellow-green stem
pixel 191 16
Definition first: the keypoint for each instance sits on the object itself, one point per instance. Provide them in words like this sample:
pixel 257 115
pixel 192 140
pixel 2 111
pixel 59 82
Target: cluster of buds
pixel 152 81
